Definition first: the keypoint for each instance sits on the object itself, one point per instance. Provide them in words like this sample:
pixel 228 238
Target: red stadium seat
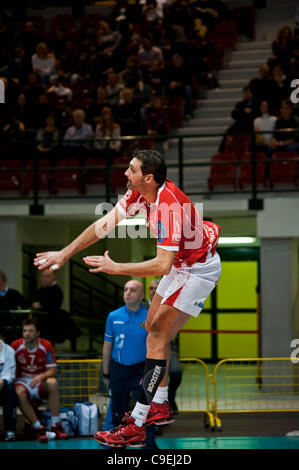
pixel 44 176
pixel 118 181
pixel 175 112
pixel 10 175
pixel 226 32
pixel 245 176
pixel 62 22
pixel 66 179
pixel 283 172
pixel 94 176
pixel 237 144
pixel 223 175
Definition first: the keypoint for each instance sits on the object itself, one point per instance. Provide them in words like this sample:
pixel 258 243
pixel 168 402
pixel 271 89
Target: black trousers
pixel 9 402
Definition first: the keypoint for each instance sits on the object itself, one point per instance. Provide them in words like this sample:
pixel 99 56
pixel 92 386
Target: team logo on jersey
pixel 50 357
pixel 128 194
pixel 142 325
pixel 22 359
pixel 198 304
pixel 161 232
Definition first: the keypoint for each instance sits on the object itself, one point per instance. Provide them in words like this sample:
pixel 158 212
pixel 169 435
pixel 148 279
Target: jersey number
pixel 32 356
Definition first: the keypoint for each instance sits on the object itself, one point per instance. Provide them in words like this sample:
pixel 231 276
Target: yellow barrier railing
pixel 243 385
pixel 79 380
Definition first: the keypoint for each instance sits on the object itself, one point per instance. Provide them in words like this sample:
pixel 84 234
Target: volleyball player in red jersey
pixel 36 378
pixel 187 259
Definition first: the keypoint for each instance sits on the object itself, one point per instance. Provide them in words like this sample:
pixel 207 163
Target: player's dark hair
pixel 30 321
pixel 153 163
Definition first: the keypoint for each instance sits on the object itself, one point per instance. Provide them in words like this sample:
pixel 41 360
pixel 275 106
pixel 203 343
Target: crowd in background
pixel 267 103
pixel 106 76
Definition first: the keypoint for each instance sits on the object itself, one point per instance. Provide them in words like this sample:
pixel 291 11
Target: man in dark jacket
pixel 10 299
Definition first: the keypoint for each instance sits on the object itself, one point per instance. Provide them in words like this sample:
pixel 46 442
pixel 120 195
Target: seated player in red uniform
pixel 36 378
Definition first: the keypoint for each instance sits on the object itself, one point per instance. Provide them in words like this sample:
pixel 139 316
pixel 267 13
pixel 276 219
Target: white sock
pixel 36 425
pixel 54 420
pixel 140 413
pixel 161 395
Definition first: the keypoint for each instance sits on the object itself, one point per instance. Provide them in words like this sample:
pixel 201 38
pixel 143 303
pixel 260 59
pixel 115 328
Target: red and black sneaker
pixel 59 431
pixel 41 434
pixel 159 414
pixel 126 434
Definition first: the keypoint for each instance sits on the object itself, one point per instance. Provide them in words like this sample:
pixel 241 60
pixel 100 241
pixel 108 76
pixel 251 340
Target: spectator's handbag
pixel 87 415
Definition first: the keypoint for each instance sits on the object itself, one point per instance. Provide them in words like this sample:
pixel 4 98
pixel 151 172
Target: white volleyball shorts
pixel 187 288
pixel 35 393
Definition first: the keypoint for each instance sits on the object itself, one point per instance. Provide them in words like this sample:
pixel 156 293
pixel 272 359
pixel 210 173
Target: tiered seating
pixel 222 175
pixel 284 172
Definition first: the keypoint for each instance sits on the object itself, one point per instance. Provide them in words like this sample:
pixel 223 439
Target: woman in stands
pixel 107 128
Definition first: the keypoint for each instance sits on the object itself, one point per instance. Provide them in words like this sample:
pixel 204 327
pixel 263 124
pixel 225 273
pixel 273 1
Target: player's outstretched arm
pixel 157 266
pixel 93 233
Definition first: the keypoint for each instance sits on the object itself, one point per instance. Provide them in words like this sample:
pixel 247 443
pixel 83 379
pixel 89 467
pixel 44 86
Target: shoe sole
pixel 161 422
pixel 136 444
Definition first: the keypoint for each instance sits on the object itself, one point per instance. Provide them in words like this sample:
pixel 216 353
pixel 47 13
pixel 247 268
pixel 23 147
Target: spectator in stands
pixel 94 110
pixel 294 61
pixel 281 89
pixel 282 48
pixel 43 63
pixel 14 130
pixel 22 110
pixel 33 90
pixel 285 140
pixel 68 62
pixel 265 122
pixel 29 39
pixel 113 89
pixel 263 87
pixel 21 66
pixel 244 111
pixel 148 53
pixel 157 120
pixel 36 381
pixel 178 79
pixel 180 13
pixel 78 132
pixel 210 11
pixel 132 74
pixel 110 39
pixel 167 36
pixel 128 113
pixel 7 390
pixel 124 353
pixel 243 114
pixel 59 91
pixel 107 128
pixel 10 299
pixel 47 137
pixel 152 10
pixel 156 78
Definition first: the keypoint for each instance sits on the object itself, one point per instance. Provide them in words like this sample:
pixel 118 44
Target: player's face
pixel 132 293
pixel 134 175
pixel 30 333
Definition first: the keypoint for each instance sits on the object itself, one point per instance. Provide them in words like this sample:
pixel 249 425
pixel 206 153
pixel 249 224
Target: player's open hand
pixel 51 260
pixel 101 264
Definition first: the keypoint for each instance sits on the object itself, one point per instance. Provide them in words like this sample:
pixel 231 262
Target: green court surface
pixel 275 442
